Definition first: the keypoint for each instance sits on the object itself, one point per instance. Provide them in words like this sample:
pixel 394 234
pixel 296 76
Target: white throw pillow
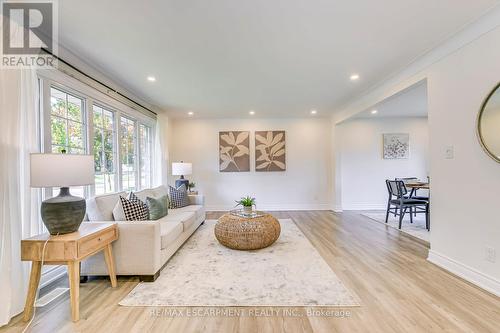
pixel 118 213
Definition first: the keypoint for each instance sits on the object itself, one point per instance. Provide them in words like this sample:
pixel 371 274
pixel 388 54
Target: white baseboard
pixel 277 207
pixel 337 209
pixel 467 273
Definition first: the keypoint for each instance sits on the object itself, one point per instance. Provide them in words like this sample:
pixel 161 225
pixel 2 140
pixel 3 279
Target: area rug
pixel 416 229
pixel 205 273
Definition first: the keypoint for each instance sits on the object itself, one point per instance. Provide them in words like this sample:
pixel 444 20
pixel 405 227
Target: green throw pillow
pixel 157 207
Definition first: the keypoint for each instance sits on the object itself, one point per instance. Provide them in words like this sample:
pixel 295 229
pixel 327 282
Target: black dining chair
pixel 413 191
pixel 399 203
pixel 406 180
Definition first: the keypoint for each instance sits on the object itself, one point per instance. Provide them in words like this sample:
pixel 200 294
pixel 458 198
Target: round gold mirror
pixel 488 124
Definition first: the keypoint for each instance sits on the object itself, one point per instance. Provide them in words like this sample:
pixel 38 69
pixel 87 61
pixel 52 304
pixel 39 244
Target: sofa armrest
pixel 196 199
pixel 136 252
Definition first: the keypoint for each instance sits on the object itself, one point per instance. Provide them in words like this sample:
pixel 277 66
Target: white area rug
pixel 205 273
pixel 416 229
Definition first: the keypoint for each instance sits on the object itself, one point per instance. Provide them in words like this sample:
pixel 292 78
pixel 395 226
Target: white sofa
pixel 143 247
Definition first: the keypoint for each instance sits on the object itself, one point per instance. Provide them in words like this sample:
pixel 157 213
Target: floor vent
pixel 51 296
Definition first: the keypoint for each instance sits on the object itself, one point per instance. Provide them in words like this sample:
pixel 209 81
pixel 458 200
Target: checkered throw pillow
pixel 178 197
pixel 132 197
pixel 134 209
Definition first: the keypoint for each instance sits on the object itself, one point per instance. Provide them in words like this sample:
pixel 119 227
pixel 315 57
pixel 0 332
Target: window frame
pixel 151 141
pixel 83 121
pixel 136 151
pixel 115 142
pixel 91 96
pixel 46 125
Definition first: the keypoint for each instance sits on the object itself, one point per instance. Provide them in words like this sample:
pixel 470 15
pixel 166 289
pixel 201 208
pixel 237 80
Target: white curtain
pixel 19 204
pixel 160 175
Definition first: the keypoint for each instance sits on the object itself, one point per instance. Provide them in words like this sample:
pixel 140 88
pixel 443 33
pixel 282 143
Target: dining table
pixel 418 185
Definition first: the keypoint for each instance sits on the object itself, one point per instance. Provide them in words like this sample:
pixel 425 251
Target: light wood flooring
pixel 400 291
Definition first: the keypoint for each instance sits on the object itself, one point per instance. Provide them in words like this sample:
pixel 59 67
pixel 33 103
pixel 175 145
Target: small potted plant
pixel 191 186
pixel 247 203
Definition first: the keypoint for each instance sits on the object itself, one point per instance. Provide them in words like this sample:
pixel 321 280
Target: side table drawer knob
pixel 93 244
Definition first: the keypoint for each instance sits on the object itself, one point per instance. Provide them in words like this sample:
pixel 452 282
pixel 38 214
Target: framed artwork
pixel 396 145
pixel 270 151
pixel 234 151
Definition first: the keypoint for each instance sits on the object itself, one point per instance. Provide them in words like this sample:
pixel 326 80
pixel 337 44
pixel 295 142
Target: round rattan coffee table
pixel 247 233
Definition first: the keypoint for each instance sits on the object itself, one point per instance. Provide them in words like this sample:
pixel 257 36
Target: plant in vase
pixel 191 187
pixel 247 203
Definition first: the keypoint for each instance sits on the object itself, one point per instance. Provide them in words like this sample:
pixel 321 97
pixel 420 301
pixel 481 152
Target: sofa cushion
pixel 169 232
pixel 198 210
pixel 134 209
pixel 188 222
pixel 142 195
pixel 158 208
pixel 175 216
pixel 186 218
pixel 178 196
pixel 100 208
pixel 119 212
pixel 160 191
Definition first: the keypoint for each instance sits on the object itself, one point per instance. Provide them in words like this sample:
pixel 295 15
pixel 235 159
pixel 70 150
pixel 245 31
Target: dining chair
pixel 406 180
pixel 399 203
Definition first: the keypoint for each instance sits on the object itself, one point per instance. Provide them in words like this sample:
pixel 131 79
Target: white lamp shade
pixel 182 169
pixel 61 170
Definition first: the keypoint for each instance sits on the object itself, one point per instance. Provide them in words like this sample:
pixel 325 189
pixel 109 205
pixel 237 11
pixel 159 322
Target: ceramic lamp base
pixel 63 214
pixel 181 181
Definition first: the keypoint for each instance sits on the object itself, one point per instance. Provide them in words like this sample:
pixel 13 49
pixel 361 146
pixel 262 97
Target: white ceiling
pixel 411 102
pixel 221 58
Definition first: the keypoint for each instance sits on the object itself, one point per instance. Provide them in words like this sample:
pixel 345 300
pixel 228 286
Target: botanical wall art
pixel 270 151
pixel 234 151
pixel 396 145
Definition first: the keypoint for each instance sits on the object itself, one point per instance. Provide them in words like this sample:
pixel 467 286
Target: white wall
pixel 464 190
pixel 364 170
pixel 306 184
pixel 490 129
pixel 462 226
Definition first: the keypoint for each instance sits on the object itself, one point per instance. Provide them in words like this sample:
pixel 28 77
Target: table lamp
pixel 62 214
pixel 182 169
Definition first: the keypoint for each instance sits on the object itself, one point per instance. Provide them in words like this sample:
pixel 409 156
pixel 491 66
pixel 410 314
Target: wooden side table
pixel 68 249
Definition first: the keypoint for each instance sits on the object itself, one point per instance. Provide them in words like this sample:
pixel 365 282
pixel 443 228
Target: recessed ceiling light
pixel 374 112
pixel 314 111
pixel 190 113
pixel 252 112
pixel 354 77
pixel 151 79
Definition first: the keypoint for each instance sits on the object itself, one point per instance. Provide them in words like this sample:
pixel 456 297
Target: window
pixel 145 145
pixel 128 154
pixel 81 120
pixel 67 127
pixel 67 122
pixel 104 150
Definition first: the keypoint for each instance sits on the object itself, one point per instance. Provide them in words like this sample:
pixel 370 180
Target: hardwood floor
pixel 400 291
